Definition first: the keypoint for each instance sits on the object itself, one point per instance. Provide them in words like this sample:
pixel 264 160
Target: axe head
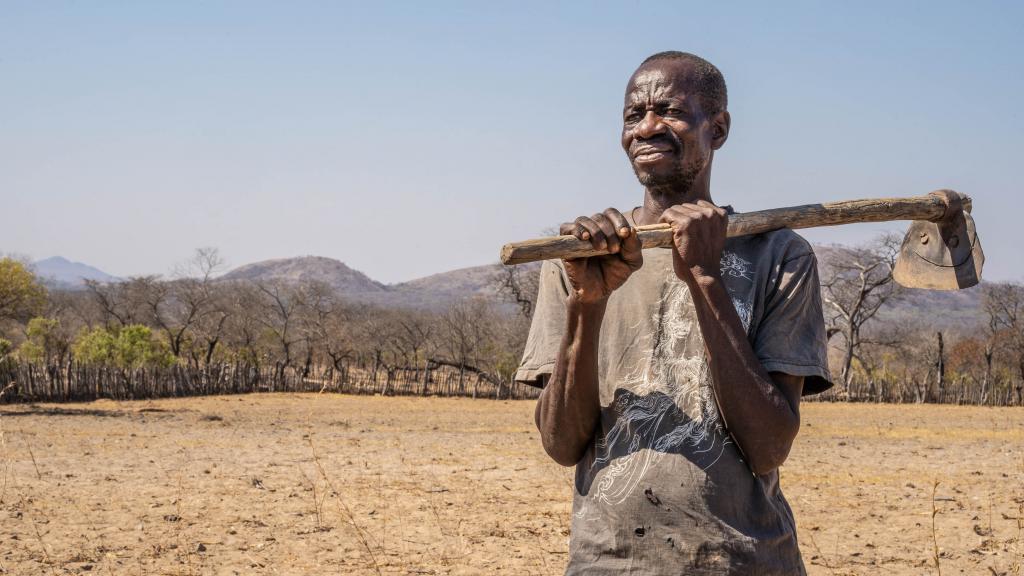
pixel 942 255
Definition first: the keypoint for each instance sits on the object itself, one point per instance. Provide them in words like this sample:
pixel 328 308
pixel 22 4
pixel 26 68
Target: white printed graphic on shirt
pixel 665 385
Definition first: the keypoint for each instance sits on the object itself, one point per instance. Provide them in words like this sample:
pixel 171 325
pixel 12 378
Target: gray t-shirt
pixel 663 488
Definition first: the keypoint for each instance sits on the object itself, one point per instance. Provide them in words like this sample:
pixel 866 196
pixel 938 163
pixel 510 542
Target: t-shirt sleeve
pixel 547 326
pixel 791 336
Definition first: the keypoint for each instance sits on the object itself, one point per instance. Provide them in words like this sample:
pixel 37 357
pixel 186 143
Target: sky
pixel 410 138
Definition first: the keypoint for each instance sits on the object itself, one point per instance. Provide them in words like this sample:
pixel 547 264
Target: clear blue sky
pixel 412 138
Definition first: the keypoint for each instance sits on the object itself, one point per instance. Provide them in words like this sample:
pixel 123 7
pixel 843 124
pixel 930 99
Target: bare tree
pixel 281 307
pixel 376 330
pixel 244 325
pixel 519 285
pixel 1004 304
pixel 467 332
pixel 165 309
pixel 324 324
pixel 874 355
pixel 211 324
pixel 856 283
pixel 414 336
pixel 327 324
pixel 193 306
pixel 204 265
pixel 128 302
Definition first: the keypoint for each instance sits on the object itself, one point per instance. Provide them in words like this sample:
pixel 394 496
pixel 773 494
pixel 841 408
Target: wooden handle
pixel 931 207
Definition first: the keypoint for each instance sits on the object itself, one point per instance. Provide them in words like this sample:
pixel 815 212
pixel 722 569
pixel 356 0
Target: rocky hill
pixel 332 272
pixel 433 292
pixel 439 290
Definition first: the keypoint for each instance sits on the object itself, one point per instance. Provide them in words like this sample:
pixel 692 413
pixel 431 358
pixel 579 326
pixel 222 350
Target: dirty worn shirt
pixel 663 488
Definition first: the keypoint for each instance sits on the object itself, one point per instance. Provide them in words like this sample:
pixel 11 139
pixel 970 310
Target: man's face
pixel 665 132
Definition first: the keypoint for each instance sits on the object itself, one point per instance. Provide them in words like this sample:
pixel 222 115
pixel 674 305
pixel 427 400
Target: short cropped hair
pixel 707 79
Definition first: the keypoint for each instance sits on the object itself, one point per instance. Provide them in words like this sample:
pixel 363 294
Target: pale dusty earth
pixel 332 484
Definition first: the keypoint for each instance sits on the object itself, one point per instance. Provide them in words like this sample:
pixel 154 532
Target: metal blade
pixel 944 255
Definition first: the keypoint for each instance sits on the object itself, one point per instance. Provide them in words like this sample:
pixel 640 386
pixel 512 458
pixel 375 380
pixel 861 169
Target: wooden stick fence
pixel 925 391
pixel 79 383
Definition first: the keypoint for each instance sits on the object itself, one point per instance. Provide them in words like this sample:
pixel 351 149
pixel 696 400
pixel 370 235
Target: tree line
pixel 877 356
pixel 290 330
pixel 298 330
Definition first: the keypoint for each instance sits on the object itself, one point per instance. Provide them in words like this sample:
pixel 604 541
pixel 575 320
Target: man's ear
pixel 720 129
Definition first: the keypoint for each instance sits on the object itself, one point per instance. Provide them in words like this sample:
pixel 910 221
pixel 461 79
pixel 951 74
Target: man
pixel 672 378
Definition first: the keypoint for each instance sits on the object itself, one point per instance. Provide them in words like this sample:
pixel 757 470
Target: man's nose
pixel 650 126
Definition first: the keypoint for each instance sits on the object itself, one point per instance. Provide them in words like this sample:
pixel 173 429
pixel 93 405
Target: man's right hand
pixel 594 279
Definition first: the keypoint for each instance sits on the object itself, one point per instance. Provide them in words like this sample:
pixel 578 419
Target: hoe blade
pixel 944 255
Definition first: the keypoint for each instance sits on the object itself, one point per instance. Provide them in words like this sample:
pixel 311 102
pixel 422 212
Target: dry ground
pixel 306 484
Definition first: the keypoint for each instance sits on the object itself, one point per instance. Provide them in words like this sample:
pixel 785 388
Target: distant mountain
pixel 332 272
pixel 477 280
pixel 438 291
pixel 60 272
pixel 435 292
pixel 955 311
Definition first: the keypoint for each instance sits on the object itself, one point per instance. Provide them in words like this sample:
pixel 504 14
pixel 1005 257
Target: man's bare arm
pixel 760 410
pixel 569 407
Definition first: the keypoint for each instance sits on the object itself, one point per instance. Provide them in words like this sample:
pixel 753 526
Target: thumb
pixel 631 250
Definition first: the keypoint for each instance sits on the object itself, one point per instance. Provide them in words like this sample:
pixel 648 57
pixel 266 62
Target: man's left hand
pixel 698 232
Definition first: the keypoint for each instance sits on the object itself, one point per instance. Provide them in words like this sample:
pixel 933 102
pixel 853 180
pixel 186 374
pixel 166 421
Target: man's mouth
pixel 648 153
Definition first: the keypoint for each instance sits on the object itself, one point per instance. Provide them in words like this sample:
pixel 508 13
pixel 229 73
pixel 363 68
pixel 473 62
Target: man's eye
pixel 634 117
pixel 673 112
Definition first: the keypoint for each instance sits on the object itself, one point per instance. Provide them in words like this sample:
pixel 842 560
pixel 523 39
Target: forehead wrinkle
pixel 657 94
pixel 659 82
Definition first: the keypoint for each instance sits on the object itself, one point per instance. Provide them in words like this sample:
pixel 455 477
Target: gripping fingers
pixel 619 221
pixel 573 229
pixel 605 231
pixel 590 230
pixel 678 217
pixel 611 235
pixel 632 251
pixel 710 209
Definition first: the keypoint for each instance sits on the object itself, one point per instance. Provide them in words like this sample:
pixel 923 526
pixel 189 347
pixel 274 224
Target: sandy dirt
pixel 306 484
